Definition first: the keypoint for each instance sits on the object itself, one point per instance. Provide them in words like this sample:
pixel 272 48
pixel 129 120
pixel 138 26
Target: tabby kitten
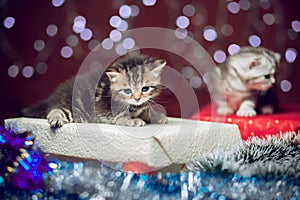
pixel 248 79
pixel 124 95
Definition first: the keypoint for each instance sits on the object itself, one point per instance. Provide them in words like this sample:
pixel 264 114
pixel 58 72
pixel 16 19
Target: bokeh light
pixel 115 21
pixel 195 82
pixel 233 49
pixel 285 85
pixel 269 18
pixel 66 52
pixel 292 34
pixel 178 46
pixel 123 26
pixel 264 4
pixel 219 56
pixel 296 26
pixel 206 77
pixel 125 11
pixel 181 33
pixel 51 30
pixel 95 65
pixel 187 72
pixel 13 71
pixel 107 44
pixel 28 71
pixel 227 29
pixel 41 68
pixel 254 41
pixel 198 52
pixel 72 40
pixel 86 34
pixel 233 7
pixel 149 2
pixel 128 43
pixel 9 22
pixel 188 10
pixel 291 55
pixel 58 3
pixel 39 45
pixel 245 4
pixel 182 22
pixel 115 35
pixel 210 33
pixel 94 45
pixel 120 49
pixel 135 10
pixel 79 24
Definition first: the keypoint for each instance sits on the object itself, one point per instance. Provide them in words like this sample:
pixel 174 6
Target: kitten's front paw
pixel 131 122
pixel 225 111
pixel 58 117
pixel 159 118
pixel 246 112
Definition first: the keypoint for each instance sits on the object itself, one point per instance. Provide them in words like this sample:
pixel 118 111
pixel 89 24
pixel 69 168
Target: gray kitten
pixel 123 95
pixel 246 78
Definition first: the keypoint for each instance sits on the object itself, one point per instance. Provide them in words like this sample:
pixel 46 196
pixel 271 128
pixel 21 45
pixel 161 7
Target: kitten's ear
pixel 113 76
pixel 159 65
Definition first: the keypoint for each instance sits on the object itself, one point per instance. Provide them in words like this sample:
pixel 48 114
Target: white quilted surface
pixel 157 145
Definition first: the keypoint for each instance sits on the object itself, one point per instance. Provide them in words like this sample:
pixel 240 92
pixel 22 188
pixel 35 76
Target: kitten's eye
pixel 145 89
pixel 127 91
pixel 267 76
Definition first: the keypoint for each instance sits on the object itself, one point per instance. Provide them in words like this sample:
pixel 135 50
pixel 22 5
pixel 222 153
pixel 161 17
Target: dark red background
pixel 33 16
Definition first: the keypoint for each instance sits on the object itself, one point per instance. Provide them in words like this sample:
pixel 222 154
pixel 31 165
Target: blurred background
pixel 43 43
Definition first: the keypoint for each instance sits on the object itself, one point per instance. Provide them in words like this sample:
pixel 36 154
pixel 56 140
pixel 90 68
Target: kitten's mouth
pixel 138 103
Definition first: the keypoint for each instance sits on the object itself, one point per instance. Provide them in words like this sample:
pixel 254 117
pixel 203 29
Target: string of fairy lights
pixel 189 16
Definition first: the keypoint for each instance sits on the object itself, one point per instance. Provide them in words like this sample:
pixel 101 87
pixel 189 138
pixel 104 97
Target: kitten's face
pixel 137 85
pixel 256 71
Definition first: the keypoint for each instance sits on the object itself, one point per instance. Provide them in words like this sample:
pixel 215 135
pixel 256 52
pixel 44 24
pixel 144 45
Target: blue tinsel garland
pixel 27 174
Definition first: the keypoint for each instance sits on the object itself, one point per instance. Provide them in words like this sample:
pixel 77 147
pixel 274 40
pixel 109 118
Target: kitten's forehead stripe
pixel 128 75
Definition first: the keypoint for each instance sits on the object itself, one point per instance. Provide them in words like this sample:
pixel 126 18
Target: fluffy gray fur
pixel 123 95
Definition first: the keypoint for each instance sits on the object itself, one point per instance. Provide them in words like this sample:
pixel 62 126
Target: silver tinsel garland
pixel 258 169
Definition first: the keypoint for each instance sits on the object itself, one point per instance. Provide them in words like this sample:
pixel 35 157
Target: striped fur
pixel 124 95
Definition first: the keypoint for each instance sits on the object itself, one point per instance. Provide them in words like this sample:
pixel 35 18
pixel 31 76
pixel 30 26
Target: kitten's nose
pixel 137 98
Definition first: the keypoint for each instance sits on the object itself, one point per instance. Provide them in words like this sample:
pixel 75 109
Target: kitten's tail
pixel 37 110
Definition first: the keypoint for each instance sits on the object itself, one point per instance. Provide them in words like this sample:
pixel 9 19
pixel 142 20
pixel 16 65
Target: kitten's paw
pixel 159 118
pixel 162 120
pixel 131 122
pixel 246 112
pixel 58 117
pixel 225 111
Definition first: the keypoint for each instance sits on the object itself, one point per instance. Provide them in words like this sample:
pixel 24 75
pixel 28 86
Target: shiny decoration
pixel 94 180
pixel 22 164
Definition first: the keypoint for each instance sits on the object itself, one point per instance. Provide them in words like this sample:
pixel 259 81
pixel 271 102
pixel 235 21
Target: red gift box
pixel 287 119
